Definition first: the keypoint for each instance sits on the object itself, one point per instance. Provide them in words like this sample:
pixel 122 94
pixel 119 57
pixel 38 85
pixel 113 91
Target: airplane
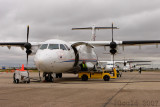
pixel 127 65
pixel 108 65
pixel 143 66
pixel 56 56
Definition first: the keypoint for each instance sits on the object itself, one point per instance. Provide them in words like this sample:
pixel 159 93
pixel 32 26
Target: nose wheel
pixel 48 76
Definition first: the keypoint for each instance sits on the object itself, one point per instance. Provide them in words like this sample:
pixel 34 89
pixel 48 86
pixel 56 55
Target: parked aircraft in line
pixel 108 65
pixel 58 56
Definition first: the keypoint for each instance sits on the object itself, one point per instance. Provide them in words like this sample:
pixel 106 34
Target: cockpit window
pixel 67 47
pixel 53 46
pixel 62 47
pixel 44 46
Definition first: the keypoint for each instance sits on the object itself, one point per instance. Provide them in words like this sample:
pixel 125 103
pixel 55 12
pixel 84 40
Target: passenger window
pixel 67 47
pixel 44 46
pixel 53 46
pixel 62 47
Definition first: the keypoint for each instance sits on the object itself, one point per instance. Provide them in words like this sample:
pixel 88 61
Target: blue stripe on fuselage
pixel 81 60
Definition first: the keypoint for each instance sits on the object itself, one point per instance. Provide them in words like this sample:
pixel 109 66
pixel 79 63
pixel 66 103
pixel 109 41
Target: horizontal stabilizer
pixel 90 28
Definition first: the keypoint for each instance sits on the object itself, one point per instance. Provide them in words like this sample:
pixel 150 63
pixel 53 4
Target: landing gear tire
pixel 52 79
pixel 84 78
pixel 14 80
pixel 59 75
pixel 28 81
pixel 56 75
pixel 48 77
pixel 17 81
pixel 106 78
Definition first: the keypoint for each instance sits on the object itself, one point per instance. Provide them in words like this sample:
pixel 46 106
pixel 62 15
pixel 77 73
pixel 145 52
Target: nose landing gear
pixel 48 76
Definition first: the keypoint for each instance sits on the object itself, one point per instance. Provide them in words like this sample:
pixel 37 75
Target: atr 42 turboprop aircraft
pixel 58 56
pixel 108 65
pixel 127 65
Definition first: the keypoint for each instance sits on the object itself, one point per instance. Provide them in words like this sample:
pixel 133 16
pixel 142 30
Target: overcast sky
pixel 49 19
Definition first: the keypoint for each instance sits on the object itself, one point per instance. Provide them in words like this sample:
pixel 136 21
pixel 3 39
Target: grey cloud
pixel 137 20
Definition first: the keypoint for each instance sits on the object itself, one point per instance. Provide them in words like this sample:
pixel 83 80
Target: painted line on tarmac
pixel 105 105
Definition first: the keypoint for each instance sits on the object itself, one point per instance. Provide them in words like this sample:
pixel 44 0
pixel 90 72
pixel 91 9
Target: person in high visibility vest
pixel 84 66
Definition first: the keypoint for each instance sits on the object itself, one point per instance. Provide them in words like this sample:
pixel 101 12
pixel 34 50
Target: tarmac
pixel 130 90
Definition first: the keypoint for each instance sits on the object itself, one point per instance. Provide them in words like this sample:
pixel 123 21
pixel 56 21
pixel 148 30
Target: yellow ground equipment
pixel 97 75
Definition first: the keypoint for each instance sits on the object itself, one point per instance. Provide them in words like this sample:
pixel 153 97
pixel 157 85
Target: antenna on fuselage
pixel 93 28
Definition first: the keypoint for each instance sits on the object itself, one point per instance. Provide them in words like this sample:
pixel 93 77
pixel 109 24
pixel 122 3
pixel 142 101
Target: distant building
pixel 3 67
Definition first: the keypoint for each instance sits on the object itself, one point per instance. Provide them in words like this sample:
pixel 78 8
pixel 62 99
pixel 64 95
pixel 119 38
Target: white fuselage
pixel 109 66
pixel 127 67
pixel 59 60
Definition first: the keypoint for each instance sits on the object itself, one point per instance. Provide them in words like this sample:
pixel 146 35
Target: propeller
pixel 27 45
pixel 113 46
pixel 124 62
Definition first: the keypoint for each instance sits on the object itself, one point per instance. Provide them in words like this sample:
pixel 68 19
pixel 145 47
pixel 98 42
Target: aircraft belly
pixel 60 66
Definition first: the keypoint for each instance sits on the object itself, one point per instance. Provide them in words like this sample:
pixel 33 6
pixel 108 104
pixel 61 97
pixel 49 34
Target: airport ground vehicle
pixel 97 75
pixel 21 76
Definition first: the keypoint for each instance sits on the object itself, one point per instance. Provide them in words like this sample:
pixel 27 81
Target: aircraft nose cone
pixel 45 60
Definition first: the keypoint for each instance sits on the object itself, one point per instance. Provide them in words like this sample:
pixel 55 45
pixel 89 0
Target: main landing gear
pixel 59 75
pixel 48 76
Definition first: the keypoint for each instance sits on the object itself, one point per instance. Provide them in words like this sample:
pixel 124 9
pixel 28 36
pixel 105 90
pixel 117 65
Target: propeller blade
pixel 124 62
pixel 112 32
pixel 27 59
pixel 27 33
pixel 113 60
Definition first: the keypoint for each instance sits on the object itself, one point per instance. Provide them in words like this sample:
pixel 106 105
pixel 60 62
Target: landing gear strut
pixel 48 76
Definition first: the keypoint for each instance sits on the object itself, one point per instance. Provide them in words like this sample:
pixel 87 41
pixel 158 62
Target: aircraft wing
pixel 94 43
pixel 142 64
pixel 121 43
pixel 130 61
pixel 141 42
pixel 111 61
pixel 34 45
pixel 19 44
pixel 137 61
